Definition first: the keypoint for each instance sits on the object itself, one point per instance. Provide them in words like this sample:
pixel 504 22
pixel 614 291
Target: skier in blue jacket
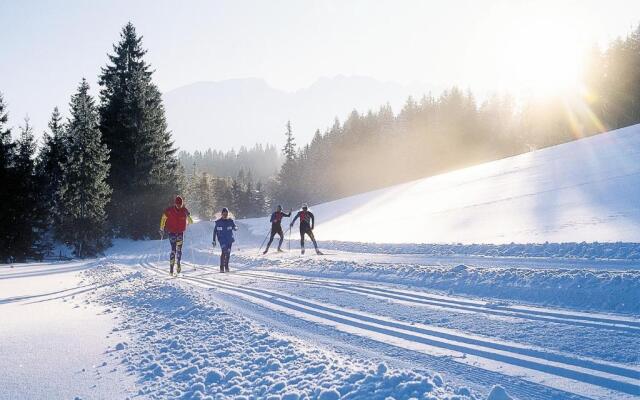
pixel 223 231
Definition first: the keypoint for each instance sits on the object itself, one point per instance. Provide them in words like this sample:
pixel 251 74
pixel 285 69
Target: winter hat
pixel 225 210
pixel 179 201
pixel 279 208
pixel 305 206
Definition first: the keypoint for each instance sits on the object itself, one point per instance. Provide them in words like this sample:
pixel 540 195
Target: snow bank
pixel 586 190
pixel 185 347
pixel 588 251
pixel 576 288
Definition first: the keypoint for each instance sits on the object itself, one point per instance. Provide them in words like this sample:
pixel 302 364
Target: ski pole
pixel 289 238
pixel 206 263
pixel 193 258
pixel 160 249
pixel 265 239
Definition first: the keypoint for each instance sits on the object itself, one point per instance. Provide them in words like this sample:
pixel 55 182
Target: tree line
pixel 453 130
pixel 206 194
pixel 106 171
pixel 263 161
pixel 214 179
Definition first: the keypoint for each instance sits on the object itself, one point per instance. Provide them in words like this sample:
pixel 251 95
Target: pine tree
pixel 204 198
pixel 222 193
pixel 84 192
pixel 8 179
pixel 248 199
pixel 49 162
pixel 289 148
pixel 27 209
pixel 236 198
pixel 144 167
pixel 259 200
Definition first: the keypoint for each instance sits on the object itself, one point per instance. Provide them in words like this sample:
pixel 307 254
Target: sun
pixel 544 61
pixel 538 52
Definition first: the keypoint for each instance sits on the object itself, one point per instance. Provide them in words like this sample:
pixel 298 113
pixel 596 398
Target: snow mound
pixel 576 288
pixel 498 393
pixel 569 250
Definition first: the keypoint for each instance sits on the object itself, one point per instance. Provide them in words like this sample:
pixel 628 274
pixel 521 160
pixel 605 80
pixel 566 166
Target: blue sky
pixel 48 46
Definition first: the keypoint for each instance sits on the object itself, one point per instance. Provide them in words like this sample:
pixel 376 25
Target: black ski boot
pixel 280 250
pixel 178 270
pixel 221 268
pixel 318 252
pixel 302 251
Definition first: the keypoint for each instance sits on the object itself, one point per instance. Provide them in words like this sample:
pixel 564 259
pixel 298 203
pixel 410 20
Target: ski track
pixel 583 377
pixel 626 325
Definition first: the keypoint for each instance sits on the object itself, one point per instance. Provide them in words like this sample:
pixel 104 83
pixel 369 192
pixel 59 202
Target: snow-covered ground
pixel 397 319
pixel 54 343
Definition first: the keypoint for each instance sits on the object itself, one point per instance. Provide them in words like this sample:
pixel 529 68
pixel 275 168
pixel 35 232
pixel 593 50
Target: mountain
pixel 238 112
pixel 585 190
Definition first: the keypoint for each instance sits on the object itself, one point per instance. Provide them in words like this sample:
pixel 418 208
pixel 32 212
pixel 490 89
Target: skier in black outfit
pixel 276 227
pixel 307 222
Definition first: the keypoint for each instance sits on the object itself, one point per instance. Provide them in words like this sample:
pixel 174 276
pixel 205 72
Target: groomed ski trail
pixel 566 373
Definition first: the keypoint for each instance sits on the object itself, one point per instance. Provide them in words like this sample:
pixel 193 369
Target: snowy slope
pixel 586 190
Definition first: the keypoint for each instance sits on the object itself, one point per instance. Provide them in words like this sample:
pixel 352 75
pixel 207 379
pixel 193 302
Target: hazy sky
pixel 46 47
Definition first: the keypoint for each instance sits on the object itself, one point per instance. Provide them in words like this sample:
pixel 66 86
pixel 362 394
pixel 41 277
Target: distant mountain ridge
pixel 232 113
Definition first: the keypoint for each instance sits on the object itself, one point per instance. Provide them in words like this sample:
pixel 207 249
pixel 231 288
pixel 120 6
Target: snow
pixel 545 304
pixel 578 288
pixel 194 349
pixel 498 393
pixel 586 190
pixel 52 341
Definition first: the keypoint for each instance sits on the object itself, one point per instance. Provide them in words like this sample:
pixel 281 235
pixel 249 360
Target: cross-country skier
pixel 276 227
pixel 174 221
pixel 307 222
pixel 223 231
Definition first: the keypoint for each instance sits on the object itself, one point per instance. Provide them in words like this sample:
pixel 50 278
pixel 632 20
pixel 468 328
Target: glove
pixel 213 243
pixel 291 225
pixel 161 231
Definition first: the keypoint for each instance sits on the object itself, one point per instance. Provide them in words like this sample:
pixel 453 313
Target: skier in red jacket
pixel 174 221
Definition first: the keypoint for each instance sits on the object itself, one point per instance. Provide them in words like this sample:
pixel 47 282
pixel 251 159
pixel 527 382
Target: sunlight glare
pixel 537 51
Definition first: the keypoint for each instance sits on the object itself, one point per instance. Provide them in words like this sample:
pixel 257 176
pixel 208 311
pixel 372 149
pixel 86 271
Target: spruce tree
pixel 49 163
pixel 237 195
pixel 222 193
pixel 144 167
pixel 259 200
pixel 204 198
pixel 8 179
pixel 289 148
pixel 84 192
pixel 27 208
